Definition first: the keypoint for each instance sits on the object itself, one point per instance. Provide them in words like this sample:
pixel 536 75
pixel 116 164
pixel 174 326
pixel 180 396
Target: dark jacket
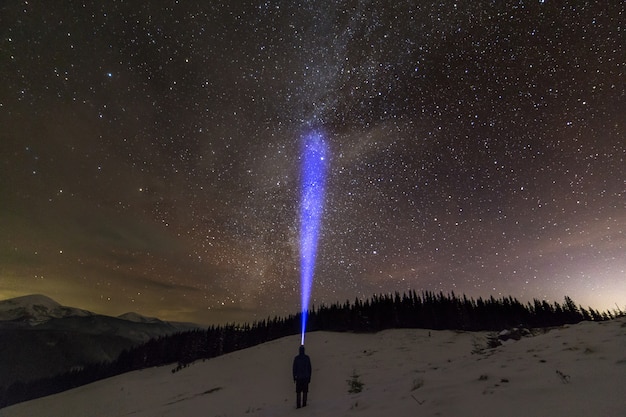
pixel 302 367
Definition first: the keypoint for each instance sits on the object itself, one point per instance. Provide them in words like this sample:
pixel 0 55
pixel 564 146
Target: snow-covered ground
pixel 577 370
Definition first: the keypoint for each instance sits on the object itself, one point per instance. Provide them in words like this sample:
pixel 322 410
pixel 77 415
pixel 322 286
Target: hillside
pixel 576 370
pixel 41 338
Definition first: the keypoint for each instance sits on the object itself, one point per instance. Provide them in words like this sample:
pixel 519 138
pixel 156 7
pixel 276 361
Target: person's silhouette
pixel 302 377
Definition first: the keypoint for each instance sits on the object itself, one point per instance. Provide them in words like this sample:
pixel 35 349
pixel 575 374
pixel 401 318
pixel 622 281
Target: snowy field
pixel 577 370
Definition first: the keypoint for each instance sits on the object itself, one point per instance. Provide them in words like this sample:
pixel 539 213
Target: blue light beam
pixel 312 182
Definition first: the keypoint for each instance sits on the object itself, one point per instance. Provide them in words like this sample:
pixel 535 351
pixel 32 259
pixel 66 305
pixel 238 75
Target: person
pixel 302 377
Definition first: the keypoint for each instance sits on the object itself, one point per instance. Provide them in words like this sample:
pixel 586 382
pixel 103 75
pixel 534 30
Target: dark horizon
pixel 617 310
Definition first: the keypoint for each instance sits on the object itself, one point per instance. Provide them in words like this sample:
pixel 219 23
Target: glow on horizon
pixel 312 182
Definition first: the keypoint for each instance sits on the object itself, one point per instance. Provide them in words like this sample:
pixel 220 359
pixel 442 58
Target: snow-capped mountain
pixel 36 309
pixel 41 338
pixel 138 318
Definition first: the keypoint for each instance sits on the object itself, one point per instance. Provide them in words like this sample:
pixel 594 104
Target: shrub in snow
pixel 480 345
pixel 564 378
pixel 354 384
pixel 514 333
pixel 417 384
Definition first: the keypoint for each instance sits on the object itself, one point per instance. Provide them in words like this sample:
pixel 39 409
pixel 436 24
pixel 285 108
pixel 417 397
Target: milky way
pixel 150 152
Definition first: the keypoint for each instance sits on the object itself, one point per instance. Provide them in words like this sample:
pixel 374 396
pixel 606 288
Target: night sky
pixel 150 152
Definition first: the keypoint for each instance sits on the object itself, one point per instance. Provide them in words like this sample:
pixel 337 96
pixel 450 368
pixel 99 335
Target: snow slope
pixel 571 371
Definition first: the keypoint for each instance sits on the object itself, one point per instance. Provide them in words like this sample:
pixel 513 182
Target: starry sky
pixel 150 152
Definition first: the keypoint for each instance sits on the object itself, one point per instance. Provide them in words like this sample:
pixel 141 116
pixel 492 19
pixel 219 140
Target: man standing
pixel 301 376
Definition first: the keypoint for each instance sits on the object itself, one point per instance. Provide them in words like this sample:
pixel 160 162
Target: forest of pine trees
pixel 427 310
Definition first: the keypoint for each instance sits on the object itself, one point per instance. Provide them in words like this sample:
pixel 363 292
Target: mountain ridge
pixel 35 309
pixel 40 338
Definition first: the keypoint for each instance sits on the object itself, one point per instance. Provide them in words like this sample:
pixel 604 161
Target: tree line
pixel 427 310
pixel 439 311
